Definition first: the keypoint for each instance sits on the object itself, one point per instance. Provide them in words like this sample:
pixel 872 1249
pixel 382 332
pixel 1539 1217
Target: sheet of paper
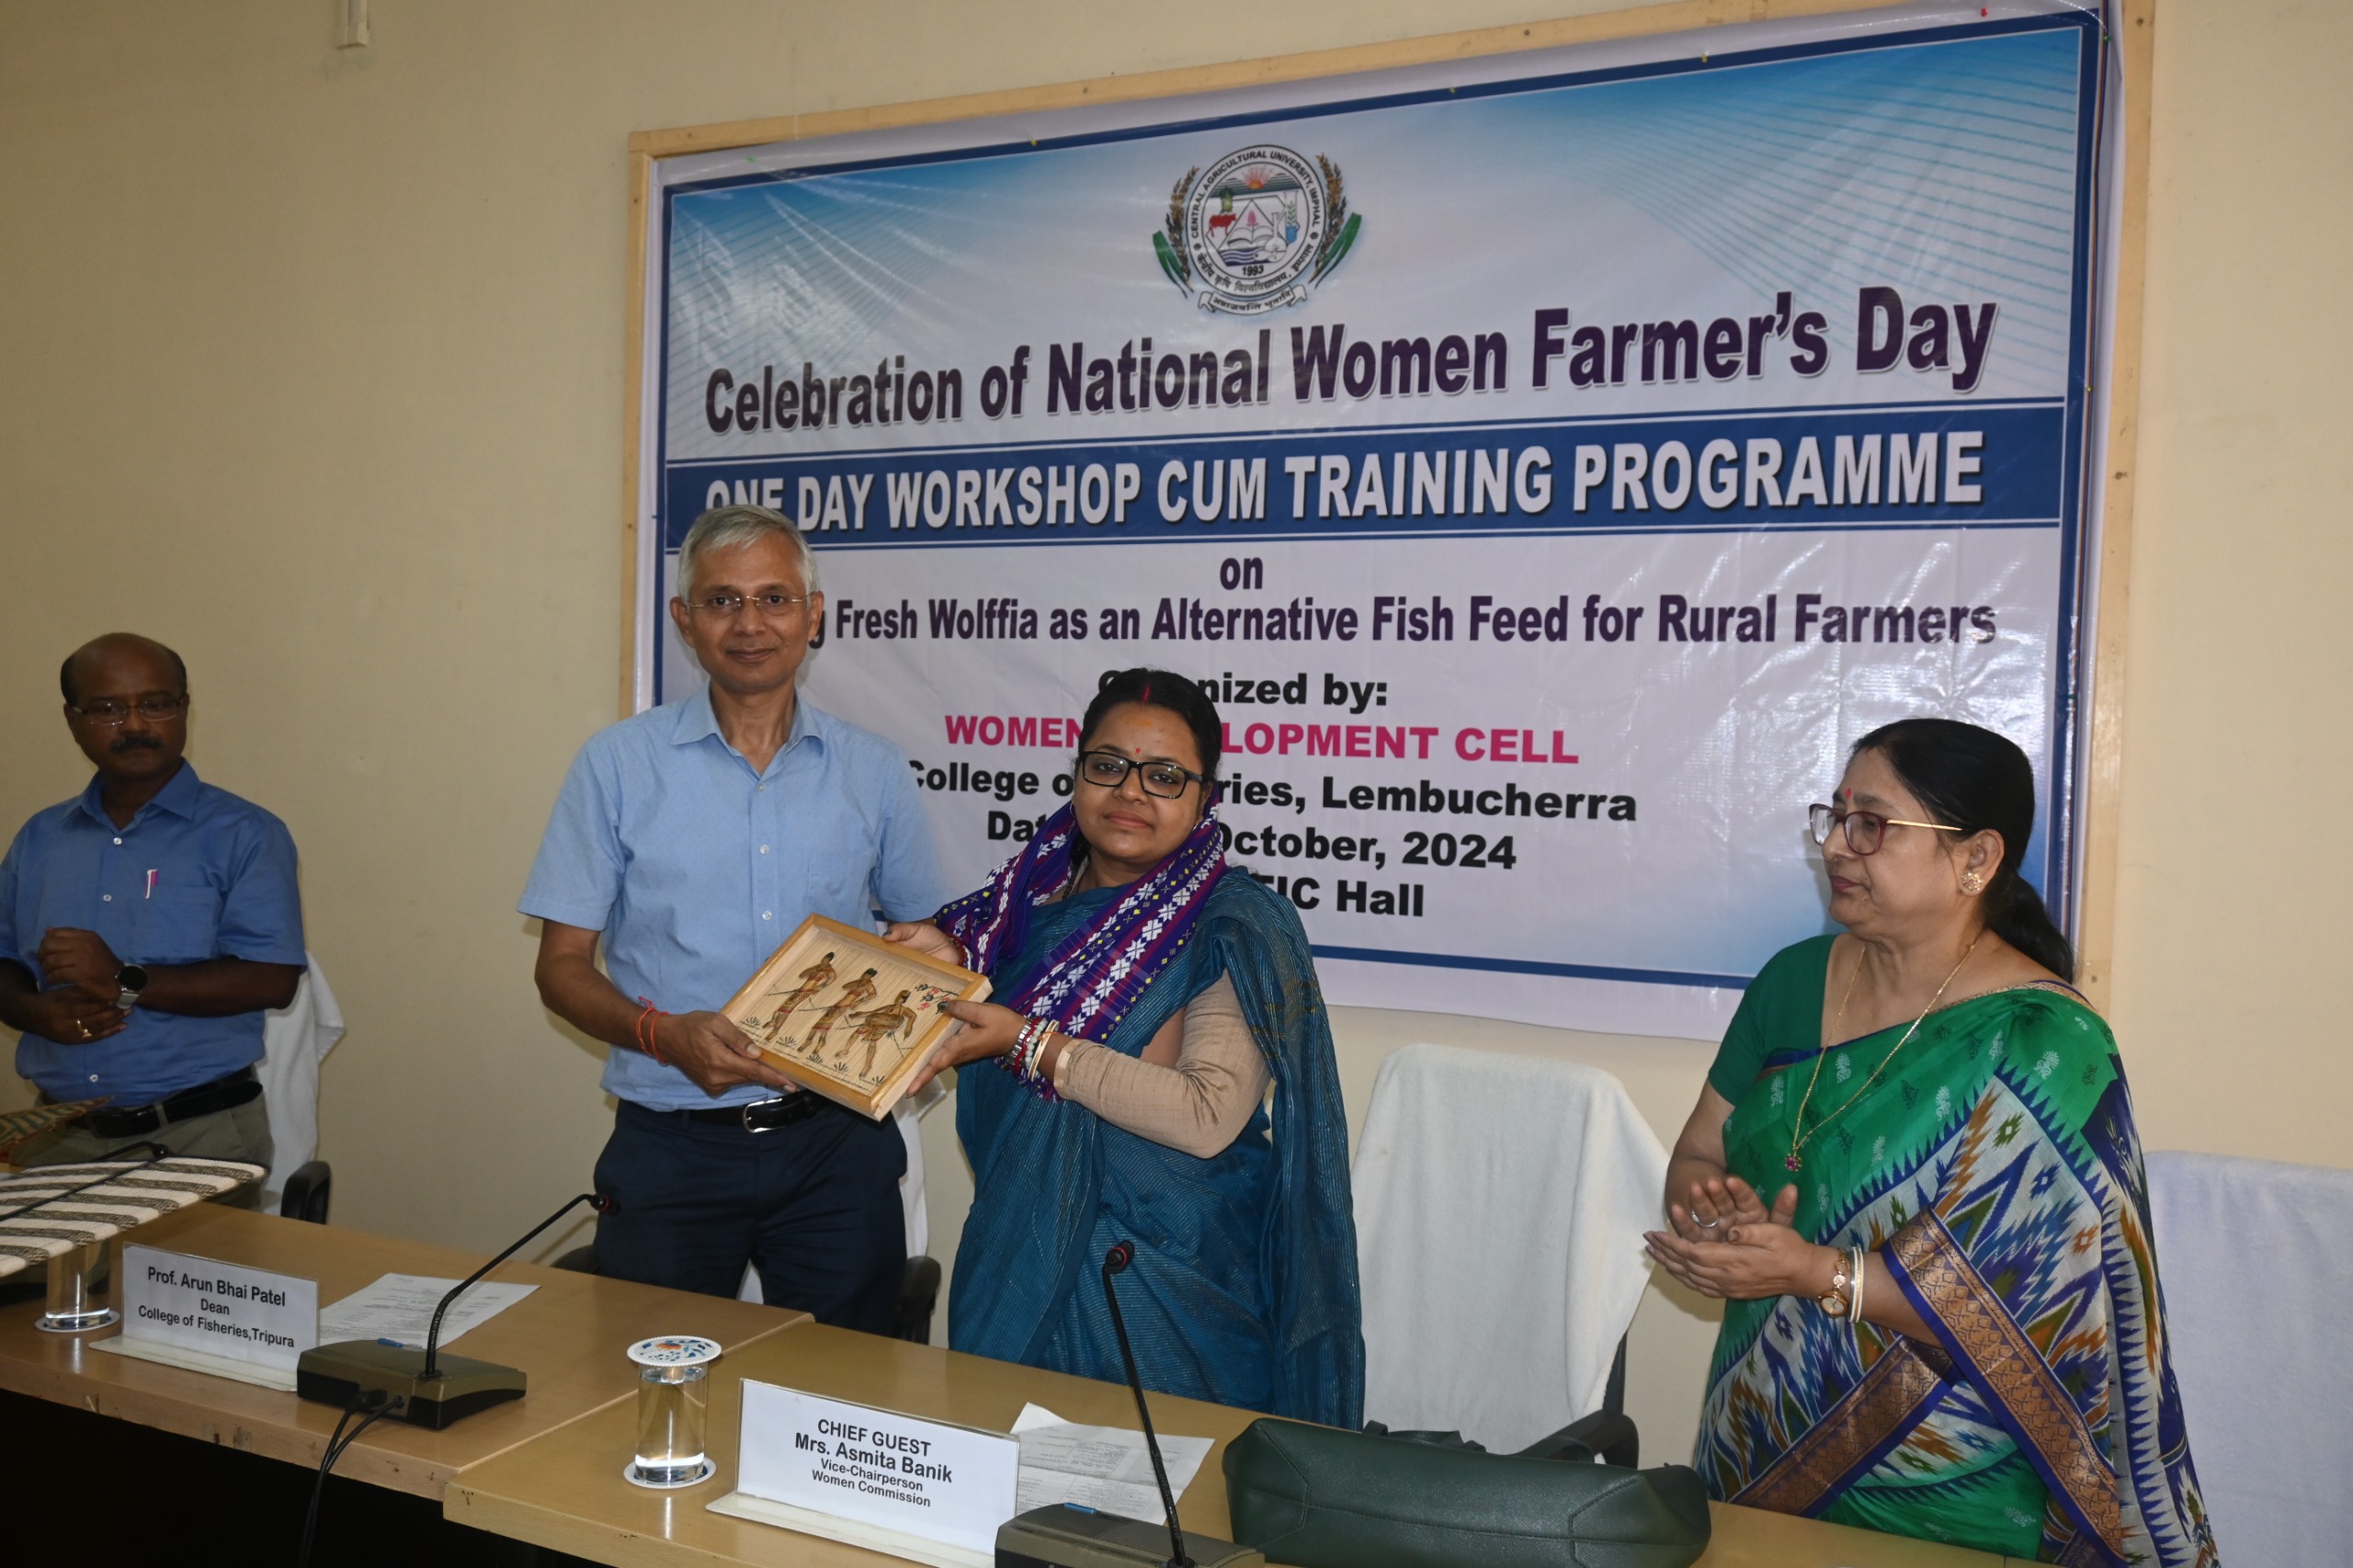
pixel 399 1307
pixel 1099 1467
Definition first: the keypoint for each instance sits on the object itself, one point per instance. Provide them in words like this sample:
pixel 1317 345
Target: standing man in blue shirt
pixel 691 840
pixel 146 927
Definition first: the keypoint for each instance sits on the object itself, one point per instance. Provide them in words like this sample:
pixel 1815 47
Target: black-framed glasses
pixel 775 606
pixel 1109 770
pixel 1865 831
pixel 107 711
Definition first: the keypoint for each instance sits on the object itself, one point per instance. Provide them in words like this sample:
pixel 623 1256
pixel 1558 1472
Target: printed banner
pixel 1551 463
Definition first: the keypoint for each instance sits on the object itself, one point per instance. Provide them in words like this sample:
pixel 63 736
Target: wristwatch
pixel 133 980
pixel 1834 1301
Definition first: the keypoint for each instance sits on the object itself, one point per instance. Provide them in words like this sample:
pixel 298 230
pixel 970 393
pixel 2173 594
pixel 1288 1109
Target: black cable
pixel 327 1462
pixel 335 1450
pixel 336 1443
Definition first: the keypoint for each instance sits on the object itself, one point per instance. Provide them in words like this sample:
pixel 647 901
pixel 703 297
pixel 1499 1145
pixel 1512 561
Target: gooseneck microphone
pixel 602 1202
pixel 423 1388
pixel 1071 1535
pixel 1116 1261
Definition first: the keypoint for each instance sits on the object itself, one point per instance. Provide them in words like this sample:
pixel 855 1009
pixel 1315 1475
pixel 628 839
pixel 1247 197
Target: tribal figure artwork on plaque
pixel 842 1012
pixel 885 1023
pixel 813 979
pixel 857 994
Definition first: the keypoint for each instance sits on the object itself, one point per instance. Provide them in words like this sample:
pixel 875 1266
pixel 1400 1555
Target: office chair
pixel 308 1192
pixel 1608 1434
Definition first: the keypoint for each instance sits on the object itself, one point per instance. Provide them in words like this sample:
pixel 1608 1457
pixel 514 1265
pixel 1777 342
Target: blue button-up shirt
pixel 198 874
pixel 695 867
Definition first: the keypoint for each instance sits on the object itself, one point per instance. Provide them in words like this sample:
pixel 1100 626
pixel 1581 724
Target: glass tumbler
pixel 74 1306
pixel 673 1410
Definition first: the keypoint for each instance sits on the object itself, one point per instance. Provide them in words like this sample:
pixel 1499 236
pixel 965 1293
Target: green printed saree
pixel 1994 1167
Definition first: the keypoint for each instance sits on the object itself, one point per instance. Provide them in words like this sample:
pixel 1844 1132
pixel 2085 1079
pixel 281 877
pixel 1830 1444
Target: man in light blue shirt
pixel 690 841
pixel 146 927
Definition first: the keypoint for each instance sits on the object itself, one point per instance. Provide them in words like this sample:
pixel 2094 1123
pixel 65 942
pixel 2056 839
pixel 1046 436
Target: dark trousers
pixel 814 1206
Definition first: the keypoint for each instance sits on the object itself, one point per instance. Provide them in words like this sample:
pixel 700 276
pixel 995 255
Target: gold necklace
pixel 1798 1136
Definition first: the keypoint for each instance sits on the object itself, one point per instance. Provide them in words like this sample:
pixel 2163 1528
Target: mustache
pixel 129 744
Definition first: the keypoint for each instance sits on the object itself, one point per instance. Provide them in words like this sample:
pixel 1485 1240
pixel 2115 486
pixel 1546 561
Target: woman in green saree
pixel 1912 1176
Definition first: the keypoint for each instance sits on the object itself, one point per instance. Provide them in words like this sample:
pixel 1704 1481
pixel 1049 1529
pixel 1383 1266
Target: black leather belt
pixel 137 1121
pixel 763 1116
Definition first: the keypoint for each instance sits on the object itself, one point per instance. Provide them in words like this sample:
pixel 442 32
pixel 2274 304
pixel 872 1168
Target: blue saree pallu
pixel 1244 1290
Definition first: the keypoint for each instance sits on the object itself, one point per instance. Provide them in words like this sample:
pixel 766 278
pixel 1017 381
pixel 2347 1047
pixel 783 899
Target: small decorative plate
pixel 673 1350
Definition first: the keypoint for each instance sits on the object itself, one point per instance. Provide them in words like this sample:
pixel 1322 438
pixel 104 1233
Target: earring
pixel 1973 885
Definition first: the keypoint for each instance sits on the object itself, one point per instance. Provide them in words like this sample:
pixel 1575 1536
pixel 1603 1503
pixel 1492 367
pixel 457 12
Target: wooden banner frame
pixel 2136 36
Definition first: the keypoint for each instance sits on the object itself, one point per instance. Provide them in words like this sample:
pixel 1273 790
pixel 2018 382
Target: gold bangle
pixel 1834 1300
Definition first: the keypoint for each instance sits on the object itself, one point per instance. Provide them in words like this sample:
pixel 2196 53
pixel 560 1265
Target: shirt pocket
pixel 839 875
pixel 177 925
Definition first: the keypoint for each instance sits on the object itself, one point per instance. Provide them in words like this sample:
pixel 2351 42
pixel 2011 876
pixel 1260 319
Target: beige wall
pixel 311 364
pixel 2233 991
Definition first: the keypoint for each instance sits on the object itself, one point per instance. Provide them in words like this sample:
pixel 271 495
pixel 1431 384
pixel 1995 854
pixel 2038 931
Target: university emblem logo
pixel 1256 232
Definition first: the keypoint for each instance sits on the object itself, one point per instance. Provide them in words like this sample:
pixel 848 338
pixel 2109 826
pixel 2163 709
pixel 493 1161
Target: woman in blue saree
pixel 1914 1177
pixel 1147 995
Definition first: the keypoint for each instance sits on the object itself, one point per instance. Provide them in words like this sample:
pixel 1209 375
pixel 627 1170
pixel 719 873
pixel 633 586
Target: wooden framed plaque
pixel 852 1016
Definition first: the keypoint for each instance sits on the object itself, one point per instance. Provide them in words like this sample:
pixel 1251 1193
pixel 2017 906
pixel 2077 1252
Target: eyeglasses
pixel 1865 830
pixel 1109 770
pixel 107 711
pixel 775 606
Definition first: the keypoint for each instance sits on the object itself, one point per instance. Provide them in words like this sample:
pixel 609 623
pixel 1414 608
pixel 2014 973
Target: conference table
pixel 564 1491
pixel 568 1335
pixel 546 1469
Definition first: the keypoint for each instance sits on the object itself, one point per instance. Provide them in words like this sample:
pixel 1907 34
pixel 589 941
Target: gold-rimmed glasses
pixel 1865 831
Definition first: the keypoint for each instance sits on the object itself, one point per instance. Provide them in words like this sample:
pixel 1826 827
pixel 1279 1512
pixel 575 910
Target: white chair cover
pixel 294 1039
pixel 2257 1276
pixel 1500 1205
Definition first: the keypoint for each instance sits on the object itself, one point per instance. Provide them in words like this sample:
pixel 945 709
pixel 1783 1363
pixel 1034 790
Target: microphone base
pixel 345 1372
pixel 1065 1536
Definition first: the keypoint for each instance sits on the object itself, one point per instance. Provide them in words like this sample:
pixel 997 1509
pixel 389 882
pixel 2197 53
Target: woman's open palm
pixel 1760 1256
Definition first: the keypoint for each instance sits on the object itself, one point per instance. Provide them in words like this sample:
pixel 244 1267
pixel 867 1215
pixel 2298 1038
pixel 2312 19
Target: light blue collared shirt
pixel 196 874
pixel 696 868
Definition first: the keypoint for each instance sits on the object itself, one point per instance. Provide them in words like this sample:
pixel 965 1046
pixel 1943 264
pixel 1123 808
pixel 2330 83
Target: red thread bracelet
pixel 648 1022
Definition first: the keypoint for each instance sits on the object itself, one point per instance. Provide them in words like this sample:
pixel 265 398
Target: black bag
pixel 1318 1497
